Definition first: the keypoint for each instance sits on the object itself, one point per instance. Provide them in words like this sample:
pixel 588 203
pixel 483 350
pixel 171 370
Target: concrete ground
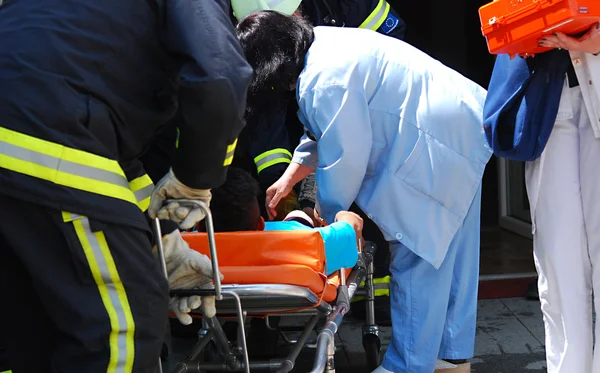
pixel 510 339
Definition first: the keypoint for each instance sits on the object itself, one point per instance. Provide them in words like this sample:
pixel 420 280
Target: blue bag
pixel 522 103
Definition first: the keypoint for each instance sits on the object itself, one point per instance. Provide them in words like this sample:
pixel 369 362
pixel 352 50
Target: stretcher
pixel 275 273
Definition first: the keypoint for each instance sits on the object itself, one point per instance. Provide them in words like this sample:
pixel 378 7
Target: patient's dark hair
pixel 275 45
pixel 234 204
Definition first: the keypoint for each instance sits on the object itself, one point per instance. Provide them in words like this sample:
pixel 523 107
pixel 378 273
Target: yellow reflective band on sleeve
pixel 142 187
pixel 63 166
pixel 112 292
pixel 7 371
pixel 177 139
pixel 230 153
pixel 381 287
pixel 377 16
pixel 69 217
pixel 271 157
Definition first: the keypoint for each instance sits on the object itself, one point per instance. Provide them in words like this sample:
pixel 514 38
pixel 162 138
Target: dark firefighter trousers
pixel 78 295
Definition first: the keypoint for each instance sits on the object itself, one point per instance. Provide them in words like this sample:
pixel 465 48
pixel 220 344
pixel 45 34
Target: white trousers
pixel 564 192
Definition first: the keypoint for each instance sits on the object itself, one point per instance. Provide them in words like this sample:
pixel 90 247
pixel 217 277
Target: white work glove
pixel 188 269
pixel 171 188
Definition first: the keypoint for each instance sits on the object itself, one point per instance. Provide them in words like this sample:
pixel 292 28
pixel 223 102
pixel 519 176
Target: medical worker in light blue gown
pixel 400 134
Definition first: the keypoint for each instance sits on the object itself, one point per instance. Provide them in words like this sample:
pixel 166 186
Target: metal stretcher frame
pixel 272 300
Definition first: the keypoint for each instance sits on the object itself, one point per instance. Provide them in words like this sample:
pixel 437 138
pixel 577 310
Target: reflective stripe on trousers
pixel 381 287
pixel 112 293
pixel 272 157
pixel 377 16
pixel 70 167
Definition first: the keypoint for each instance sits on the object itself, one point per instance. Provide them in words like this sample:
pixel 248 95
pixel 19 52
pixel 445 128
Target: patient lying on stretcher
pixel 234 207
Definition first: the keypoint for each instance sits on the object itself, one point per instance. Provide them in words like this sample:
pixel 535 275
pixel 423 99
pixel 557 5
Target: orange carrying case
pixel 516 26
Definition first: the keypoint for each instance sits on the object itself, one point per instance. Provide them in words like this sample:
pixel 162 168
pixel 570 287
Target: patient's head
pixel 234 204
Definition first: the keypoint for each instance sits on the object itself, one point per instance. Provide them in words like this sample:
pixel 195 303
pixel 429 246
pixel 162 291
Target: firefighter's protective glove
pixel 188 269
pixel 171 188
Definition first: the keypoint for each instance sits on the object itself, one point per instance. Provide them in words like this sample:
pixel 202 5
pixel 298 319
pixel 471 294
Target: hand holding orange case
pixel 516 26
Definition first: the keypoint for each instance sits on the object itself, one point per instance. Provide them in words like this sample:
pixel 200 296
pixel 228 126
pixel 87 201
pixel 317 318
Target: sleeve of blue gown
pixel 306 152
pixel 338 117
pixel 340 246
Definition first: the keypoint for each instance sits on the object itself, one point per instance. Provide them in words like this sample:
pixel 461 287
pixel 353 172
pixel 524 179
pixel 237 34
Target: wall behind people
pixel 450 31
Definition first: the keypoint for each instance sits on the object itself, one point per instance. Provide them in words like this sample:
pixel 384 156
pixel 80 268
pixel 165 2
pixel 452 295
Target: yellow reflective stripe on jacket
pixel 381 287
pixel 271 157
pixel 230 153
pixel 7 371
pixel 142 187
pixel 64 166
pixel 377 16
pixel 112 293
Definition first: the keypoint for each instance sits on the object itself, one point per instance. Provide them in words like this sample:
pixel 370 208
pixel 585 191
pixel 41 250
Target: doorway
pixel 515 215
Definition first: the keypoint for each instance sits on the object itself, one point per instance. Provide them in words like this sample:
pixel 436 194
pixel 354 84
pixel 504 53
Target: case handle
pixel 535 5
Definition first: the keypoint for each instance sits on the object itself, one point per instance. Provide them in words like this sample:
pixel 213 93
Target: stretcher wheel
pixel 372 346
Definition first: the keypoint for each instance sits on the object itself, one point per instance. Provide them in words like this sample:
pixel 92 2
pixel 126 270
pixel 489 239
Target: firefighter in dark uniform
pixel 86 85
pixel 273 129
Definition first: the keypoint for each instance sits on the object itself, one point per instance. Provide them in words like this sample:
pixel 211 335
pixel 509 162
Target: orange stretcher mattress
pixel 271 257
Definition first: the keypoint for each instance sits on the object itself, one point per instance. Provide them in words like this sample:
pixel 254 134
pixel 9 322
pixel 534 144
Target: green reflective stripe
pixel 382 292
pixel 272 162
pixel 377 16
pixel 63 166
pixel 230 153
pixel 144 193
pixel 379 281
pixel 112 293
pixel 7 371
pixel 177 139
pixel 142 187
pixel 271 157
pixel 381 287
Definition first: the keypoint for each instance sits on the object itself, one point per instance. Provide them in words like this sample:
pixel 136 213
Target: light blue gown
pixel 401 134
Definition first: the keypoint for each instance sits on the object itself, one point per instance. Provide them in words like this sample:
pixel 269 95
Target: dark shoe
pixel 383 315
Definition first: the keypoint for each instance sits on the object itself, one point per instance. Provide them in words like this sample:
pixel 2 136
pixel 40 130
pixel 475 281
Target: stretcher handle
pixel 192 292
pixel 210 233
